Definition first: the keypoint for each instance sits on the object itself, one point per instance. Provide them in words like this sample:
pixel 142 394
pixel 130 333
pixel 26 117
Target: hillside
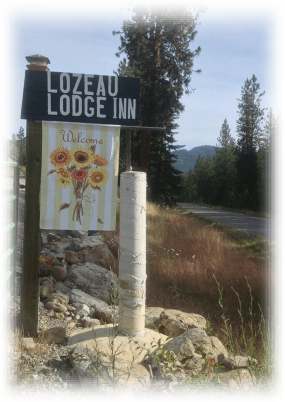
pixel 187 159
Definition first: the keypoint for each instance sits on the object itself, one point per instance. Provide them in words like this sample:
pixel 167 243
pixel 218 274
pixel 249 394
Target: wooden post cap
pixel 38 62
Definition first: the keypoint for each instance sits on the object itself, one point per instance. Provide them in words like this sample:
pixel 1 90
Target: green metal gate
pixel 11 252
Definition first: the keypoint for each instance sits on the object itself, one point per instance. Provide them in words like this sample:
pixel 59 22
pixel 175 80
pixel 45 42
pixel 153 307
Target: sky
pixel 236 42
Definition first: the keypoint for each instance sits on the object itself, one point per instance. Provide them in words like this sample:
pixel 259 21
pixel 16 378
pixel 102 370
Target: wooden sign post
pixel 31 252
pixel 92 99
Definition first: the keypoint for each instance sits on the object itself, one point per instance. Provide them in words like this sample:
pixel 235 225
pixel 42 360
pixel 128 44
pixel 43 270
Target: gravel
pixel 44 366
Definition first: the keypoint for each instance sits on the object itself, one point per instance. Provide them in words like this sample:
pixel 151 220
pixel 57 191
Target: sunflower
pixel 60 157
pixel 79 174
pixel 81 157
pixel 97 177
pixel 100 161
pixel 63 182
pixel 63 173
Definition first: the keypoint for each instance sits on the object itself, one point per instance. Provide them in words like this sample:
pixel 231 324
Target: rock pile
pixel 78 316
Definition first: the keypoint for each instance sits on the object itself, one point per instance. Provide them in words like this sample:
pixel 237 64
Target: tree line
pixel 240 174
pixel 16 147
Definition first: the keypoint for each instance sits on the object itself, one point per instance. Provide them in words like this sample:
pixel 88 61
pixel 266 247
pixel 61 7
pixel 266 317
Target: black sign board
pixel 81 98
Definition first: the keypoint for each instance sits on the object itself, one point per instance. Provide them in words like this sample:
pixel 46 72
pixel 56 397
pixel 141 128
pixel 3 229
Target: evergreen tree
pixel 204 180
pixel 156 43
pixel 225 168
pixel 225 139
pixel 13 148
pixel 249 130
pixel 189 191
pixel 21 146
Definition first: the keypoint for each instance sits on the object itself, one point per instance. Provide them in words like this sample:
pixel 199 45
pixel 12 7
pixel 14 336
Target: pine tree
pixel 21 141
pixel 13 148
pixel 204 180
pixel 225 168
pixel 225 139
pixel 156 43
pixel 249 130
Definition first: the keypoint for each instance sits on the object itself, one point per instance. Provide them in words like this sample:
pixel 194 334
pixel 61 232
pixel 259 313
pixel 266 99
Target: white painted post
pixel 132 254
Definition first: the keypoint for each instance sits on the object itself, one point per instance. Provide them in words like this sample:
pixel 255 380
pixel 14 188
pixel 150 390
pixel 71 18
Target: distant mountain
pixel 187 159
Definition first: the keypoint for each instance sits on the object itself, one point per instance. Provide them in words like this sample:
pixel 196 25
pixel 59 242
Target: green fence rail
pixel 10 230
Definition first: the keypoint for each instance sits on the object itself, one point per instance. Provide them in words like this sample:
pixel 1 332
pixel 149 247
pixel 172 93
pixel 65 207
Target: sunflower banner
pixel 79 176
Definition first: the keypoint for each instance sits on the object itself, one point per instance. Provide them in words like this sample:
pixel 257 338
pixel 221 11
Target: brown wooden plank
pixel 30 278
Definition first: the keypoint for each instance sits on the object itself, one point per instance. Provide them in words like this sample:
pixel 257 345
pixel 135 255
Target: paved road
pixel 258 226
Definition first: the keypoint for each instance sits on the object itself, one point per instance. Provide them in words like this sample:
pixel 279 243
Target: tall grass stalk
pixel 254 340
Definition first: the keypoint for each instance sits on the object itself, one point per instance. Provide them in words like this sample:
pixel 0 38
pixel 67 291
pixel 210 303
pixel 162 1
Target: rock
pixel 58 297
pixel 73 233
pixel 45 289
pixel 60 308
pixel 93 280
pixel 93 232
pixel 46 281
pixel 108 314
pixel 152 315
pixel 55 335
pixel 174 322
pixel 71 257
pixel 181 346
pixel 237 379
pixel 82 310
pixel 78 296
pixel 28 343
pixel 235 362
pixel 132 349
pixel 60 287
pixel 195 362
pixel 46 253
pixel 59 273
pixel 74 246
pixel 88 322
pixel 163 363
pixel 218 348
pixel 100 254
pixel 92 312
pixel 52 237
pixel 91 241
pixel 185 352
pixel 96 366
pixel 43 272
pixel 201 342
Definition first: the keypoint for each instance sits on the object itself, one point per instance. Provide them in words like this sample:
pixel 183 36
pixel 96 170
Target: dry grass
pixel 183 256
